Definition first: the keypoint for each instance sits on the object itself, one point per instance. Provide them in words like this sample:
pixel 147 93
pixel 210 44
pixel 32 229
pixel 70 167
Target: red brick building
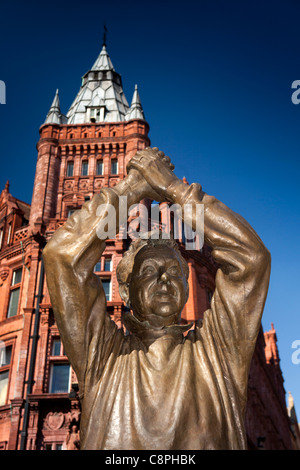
pixel 77 155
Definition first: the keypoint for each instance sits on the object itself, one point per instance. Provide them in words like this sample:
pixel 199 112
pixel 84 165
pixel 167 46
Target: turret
pixel 54 115
pixel 136 109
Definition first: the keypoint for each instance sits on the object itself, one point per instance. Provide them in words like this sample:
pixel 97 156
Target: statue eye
pixel 148 270
pixel 174 271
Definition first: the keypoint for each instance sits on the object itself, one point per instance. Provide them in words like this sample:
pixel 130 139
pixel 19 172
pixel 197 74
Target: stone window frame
pixel 67 168
pixel 109 279
pixel 102 262
pixel 1 236
pixel 9 234
pixel 84 161
pixel 114 161
pixel 105 275
pixel 53 445
pixel 10 343
pixel 70 210
pixel 53 359
pixel 13 287
pixel 99 160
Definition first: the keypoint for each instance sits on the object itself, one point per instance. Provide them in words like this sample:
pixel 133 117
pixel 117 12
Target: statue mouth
pixel 162 294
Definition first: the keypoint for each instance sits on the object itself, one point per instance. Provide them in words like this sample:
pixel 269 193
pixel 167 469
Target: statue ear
pixel 124 293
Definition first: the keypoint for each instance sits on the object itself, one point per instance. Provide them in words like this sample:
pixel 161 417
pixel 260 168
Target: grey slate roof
pixel 101 96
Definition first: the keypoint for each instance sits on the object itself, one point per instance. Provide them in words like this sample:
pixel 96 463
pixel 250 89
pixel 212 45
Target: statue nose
pixel 164 277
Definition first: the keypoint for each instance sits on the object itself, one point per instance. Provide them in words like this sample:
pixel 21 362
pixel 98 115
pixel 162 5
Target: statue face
pixel 158 287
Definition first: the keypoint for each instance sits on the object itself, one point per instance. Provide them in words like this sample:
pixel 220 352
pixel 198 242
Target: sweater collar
pixel 144 331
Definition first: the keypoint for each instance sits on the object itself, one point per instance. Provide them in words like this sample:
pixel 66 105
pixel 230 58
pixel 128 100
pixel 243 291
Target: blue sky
pixel 215 83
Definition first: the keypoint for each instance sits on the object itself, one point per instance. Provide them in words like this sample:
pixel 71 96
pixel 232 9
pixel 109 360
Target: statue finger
pixel 167 159
pixel 133 164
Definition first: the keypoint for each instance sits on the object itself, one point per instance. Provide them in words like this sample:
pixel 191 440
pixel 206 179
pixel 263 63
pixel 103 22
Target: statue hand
pixel 136 188
pixel 156 168
pixel 139 186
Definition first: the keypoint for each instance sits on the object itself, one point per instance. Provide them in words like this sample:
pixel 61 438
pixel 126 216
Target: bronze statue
pixel 157 388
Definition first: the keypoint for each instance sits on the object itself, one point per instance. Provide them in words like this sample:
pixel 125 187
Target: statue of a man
pixel 157 388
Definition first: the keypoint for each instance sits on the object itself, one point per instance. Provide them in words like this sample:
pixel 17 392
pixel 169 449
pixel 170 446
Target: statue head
pixel 153 281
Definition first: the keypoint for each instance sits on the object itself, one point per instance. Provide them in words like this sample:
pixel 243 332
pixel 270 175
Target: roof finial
pixel 104 35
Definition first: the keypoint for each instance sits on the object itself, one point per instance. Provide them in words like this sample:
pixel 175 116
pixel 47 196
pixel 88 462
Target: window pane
pixel 59 447
pixel 97 267
pixel 106 286
pixel 70 212
pixel 70 169
pixel 84 168
pixel 17 276
pixel 13 302
pixel 5 356
pixel 99 167
pixel 9 234
pixel 56 347
pixel 3 387
pixel 107 264
pixel 60 378
pixel 114 167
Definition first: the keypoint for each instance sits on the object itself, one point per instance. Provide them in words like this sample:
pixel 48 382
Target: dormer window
pixel 97 114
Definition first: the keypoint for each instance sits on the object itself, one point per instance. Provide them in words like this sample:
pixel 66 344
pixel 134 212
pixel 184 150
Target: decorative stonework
pixel 69 185
pixel 83 184
pixel 4 272
pixel 54 421
pixel 113 182
pixel 98 183
pixel 21 234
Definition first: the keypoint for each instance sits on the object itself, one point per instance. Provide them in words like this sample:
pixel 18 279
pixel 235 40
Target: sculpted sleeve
pixel 242 283
pixel 76 293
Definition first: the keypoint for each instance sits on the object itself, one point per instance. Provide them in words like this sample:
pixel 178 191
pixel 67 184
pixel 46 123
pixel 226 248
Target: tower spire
pixel 136 109
pixel 104 35
pixel 54 115
pixel 101 97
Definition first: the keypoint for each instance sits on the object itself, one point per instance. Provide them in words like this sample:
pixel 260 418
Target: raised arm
pixel 243 278
pixel 76 293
